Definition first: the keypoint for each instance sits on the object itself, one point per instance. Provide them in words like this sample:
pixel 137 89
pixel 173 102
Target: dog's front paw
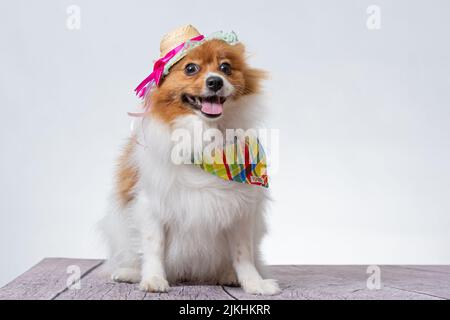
pixel 261 286
pixel 154 284
pixel 129 275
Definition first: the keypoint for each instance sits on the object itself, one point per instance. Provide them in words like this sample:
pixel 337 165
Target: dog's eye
pixel 191 69
pixel 225 68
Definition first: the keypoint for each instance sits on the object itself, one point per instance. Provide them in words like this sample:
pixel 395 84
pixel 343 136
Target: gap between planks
pixel 81 277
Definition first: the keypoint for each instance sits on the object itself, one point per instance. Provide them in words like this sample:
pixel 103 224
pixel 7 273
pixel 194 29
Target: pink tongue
pixel 213 108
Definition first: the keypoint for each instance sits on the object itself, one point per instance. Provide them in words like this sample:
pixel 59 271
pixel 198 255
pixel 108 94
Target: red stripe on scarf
pixel 227 168
pixel 248 170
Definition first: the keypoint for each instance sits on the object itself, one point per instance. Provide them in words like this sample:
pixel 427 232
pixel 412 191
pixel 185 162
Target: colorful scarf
pixel 241 162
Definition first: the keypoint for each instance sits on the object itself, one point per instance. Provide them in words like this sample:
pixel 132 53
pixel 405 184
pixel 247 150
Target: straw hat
pixel 172 39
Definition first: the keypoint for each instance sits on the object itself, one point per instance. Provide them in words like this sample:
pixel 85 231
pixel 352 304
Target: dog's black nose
pixel 214 83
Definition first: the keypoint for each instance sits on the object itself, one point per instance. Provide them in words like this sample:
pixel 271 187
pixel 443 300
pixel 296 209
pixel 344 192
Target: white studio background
pixel 363 114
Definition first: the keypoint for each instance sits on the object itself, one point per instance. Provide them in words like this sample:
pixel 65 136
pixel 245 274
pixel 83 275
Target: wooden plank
pixel 97 286
pixel 191 292
pixel 46 279
pixel 432 268
pixel 337 282
pixel 430 280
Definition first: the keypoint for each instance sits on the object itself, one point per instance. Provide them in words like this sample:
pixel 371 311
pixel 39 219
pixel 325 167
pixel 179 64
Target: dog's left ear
pixel 253 80
pixel 240 48
pixel 253 77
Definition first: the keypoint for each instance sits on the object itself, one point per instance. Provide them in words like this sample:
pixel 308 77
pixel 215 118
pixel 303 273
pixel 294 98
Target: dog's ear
pixel 253 80
pixel 240 48
pixel 253 77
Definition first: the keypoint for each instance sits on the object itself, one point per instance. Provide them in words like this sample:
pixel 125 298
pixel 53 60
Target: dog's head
pixel 205 81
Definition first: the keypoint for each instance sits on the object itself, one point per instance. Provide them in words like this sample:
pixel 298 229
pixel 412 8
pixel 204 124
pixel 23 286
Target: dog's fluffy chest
pixel 194 199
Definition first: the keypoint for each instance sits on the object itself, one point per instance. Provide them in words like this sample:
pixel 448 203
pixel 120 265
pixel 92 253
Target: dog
pixel 172 223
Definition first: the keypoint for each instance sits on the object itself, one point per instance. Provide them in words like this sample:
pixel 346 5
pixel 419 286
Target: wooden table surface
pixel 51 279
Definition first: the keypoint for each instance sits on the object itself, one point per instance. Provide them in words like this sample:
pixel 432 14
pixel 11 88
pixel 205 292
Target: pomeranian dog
pixel 170 222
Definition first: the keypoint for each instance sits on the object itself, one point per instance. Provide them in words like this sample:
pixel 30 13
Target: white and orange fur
pixel 170 223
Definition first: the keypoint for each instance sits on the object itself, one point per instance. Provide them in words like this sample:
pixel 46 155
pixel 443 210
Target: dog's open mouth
pixel 211 106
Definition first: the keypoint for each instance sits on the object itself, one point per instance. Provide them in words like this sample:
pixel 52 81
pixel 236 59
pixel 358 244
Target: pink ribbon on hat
pixel 158 69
